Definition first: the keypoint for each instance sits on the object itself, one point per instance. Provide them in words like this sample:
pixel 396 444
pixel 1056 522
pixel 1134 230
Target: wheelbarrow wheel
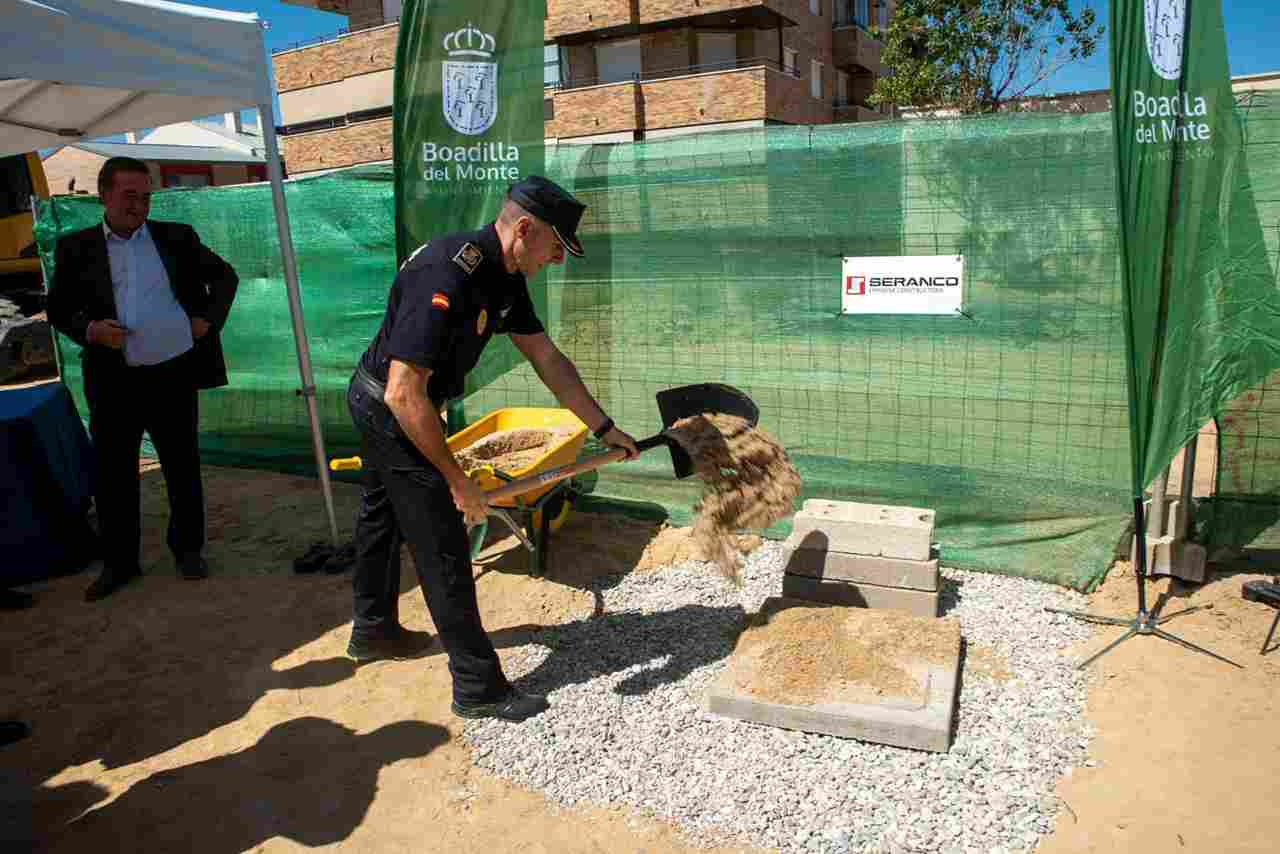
pixel 559 510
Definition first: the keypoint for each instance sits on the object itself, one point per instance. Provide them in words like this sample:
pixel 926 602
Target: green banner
pixel 468 123
pixel 1201 309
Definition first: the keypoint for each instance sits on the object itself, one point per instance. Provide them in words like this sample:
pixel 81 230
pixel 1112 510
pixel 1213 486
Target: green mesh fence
pixel 717 257
pixel 1246 508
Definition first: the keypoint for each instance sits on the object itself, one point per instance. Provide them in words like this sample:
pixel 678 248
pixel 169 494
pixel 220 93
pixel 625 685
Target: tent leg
pixel 266 119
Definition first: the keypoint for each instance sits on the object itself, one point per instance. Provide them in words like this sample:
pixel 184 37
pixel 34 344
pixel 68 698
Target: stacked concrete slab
pixel 864 555
pixel 849 706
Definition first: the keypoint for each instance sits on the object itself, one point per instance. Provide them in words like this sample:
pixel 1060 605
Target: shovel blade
pixel 690 400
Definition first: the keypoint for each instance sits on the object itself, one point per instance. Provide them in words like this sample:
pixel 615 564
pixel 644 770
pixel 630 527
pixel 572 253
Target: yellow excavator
pixel 26 345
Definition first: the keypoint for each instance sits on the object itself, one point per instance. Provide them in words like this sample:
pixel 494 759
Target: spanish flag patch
pixel 440 301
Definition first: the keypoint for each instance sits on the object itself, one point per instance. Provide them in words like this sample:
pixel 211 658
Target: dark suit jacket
pixel 80 292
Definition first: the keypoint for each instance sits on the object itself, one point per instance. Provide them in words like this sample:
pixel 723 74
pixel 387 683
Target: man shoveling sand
pixel 748 482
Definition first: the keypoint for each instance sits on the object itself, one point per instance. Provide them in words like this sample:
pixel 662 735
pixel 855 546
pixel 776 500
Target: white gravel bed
pixel 626 726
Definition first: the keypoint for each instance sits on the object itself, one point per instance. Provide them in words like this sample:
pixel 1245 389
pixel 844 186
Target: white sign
pixel 904 284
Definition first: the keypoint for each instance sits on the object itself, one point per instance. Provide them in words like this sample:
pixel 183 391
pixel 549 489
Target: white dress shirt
pixel 159 328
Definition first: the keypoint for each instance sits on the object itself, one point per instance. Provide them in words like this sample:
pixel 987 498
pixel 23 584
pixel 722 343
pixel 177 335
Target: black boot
pixel 109 582
pixel 11 731
pixel 397 644
pixel 515 706
pixel 15 600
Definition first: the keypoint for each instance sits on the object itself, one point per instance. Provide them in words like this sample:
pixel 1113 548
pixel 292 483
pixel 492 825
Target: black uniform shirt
pixel 449 298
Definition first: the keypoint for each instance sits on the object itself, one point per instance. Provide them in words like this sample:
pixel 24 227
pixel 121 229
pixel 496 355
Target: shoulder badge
pixel 415 254
pixel 468 257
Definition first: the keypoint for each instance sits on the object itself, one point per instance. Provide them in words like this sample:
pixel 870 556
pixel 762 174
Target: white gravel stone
pixel 626 728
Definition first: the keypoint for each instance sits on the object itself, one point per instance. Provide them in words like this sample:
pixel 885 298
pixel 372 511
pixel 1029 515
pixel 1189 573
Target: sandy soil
pixel 221 716
pixel 1187 751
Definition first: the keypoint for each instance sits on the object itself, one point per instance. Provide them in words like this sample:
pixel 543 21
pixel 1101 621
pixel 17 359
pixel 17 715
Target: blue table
pixel 46 482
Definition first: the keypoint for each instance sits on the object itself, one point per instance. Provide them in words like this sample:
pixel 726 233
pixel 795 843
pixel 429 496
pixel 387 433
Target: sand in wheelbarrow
pixel 748 483
pixel 510 450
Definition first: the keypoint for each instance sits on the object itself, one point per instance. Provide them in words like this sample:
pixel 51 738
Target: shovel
pixel 674 404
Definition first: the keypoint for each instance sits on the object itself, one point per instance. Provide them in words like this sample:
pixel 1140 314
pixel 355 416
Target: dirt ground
pixel 1187 748
pixel 221 716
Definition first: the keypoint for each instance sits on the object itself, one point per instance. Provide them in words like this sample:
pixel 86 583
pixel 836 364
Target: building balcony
pixel 649 76
pixel 854 47
pixel 605 18
pixel 851 111
pixel 335 58
pixel 748 90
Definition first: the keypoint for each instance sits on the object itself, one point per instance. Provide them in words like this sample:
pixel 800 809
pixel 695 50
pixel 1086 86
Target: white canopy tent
pixel 82 69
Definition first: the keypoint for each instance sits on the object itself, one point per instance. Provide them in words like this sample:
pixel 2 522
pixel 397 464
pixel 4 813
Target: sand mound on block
pixel 806 654
pixel 748 482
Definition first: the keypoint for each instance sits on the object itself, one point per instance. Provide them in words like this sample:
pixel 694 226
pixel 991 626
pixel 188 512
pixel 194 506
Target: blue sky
pixel 1253 45
pixel 1253 36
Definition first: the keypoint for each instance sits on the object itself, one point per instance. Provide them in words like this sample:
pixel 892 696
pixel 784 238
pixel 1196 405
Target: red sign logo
pixel 855 286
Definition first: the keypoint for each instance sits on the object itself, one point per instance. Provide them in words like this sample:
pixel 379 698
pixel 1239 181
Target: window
pixel 884 14
pixel 618 60
pixel 717 51
pixel 790 61
pixel 815 79
pixel 186 175
pixel 842 87
pixel 861 13
pixel 551 68
pixel 815 7
pixel 15 185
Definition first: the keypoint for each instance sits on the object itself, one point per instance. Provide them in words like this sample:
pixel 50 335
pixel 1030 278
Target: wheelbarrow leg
pixel 544 542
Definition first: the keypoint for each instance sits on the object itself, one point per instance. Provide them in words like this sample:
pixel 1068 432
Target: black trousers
pixel 123 403
pixel 406 500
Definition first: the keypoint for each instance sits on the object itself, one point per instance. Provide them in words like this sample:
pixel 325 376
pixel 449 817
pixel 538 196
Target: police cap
pixel 550 203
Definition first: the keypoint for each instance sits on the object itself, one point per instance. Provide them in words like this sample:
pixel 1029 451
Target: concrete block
pixel 809 555
pixel 918 603
pixel 918 716
pixel 1171 557
pixel 868 529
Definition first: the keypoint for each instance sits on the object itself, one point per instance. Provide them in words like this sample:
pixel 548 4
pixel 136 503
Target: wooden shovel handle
pixel 525 484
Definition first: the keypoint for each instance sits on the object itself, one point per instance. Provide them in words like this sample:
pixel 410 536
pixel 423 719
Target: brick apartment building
pixel 617 71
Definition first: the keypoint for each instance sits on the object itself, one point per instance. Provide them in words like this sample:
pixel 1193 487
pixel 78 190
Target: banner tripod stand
pixel 1144 622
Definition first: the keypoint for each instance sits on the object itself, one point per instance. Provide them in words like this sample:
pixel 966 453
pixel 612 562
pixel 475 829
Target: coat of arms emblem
pixel 470 81
pixel 1166 26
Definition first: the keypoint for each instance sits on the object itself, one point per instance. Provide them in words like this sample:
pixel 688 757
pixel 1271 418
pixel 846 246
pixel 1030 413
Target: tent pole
pixel 266 119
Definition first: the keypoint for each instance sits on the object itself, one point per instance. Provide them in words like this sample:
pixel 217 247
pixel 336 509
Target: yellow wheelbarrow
pixel 542 508
pixel 538 493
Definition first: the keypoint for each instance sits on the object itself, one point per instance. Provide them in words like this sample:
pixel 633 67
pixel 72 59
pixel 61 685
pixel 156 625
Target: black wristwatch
pixel 604 428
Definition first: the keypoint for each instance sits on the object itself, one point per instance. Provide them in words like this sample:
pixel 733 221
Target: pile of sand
pixel 510 450
pixel 807 654
pixel 749 482
pixel 678 545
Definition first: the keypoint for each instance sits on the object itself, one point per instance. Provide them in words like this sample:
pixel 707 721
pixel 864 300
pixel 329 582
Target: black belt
pixel 377 389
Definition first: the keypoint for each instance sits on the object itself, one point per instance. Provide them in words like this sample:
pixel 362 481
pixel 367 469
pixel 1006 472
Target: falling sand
pixel 748 482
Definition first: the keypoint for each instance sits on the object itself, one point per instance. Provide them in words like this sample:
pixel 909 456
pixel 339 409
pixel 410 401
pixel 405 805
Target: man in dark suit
pixel 146 300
